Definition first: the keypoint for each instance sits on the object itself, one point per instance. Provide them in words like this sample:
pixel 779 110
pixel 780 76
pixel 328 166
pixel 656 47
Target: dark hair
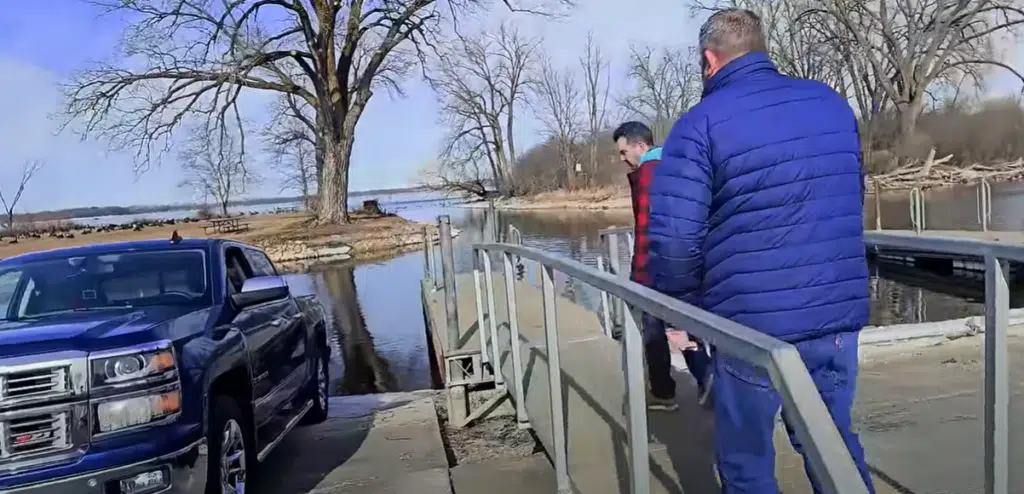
pixel 633 132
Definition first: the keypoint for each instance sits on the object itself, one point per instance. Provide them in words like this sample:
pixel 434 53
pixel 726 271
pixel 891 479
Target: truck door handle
pixel 275 322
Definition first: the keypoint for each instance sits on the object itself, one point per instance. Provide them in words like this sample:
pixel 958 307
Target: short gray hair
pixel 732 33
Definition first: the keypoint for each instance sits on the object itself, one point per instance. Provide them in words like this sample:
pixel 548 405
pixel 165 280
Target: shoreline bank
pixel 600 199
pixel 286 237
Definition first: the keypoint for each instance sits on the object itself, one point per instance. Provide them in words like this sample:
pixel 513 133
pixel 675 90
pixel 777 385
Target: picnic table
pixel 225 225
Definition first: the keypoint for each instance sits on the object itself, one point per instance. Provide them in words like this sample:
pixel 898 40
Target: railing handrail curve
pixel 995 257
pixel 968 247
pixel 829 458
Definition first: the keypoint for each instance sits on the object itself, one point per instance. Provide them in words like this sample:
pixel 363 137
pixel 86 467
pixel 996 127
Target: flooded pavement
pixel 379 338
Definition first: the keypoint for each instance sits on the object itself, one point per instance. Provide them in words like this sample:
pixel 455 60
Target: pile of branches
pixel 933 172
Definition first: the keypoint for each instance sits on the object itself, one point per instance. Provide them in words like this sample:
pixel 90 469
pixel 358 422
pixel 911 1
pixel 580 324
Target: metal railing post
pixel 606 314
pixel 615 264
pixel 480 308
pixel 636 398
pixel 997 379
pixel 492 319
pixel 491 212
pixel 513 332
pixel 917 209
pixel 448 273
pixel 428 264
pixel 555 381
pixel 984 204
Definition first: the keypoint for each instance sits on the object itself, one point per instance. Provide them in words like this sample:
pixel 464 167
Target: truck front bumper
pixel 184 472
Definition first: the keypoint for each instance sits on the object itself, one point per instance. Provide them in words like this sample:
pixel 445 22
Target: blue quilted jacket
pixel 756 210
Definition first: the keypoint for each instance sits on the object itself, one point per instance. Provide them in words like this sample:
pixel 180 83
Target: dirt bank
pixel 286 237
pixel 496 437
pixel 585 199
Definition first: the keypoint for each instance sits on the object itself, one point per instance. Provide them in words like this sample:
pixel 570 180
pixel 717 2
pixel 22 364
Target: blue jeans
pixel 659 360
pixel 746 404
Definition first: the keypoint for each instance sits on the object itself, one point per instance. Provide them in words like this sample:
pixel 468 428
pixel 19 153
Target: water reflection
pixel 380 341
pixel 899 294
pixel 370 353
pixel 953 208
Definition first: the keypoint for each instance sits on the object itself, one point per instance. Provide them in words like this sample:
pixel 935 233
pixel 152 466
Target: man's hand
pixel 679 340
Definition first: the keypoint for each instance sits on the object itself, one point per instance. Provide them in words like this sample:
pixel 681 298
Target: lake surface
pixel 394 203
pixel 380 342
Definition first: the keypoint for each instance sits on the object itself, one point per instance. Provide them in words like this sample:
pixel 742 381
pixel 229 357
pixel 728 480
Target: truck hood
pixel 100 329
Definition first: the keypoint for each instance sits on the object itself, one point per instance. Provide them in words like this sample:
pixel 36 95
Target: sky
pixel 44 43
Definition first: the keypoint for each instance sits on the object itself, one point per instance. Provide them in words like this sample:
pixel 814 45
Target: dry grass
pixel 368 236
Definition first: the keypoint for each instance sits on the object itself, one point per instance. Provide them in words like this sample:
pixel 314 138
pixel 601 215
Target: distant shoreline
pixel 594 199
pixel 70 214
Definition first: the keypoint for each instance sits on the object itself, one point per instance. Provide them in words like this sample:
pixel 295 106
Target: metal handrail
pixel 984 204
pixel 997 313
pixel 827 454
pixel 995 256
pixel 917 209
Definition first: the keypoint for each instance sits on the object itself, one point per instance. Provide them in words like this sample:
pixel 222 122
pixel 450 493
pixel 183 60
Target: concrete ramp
pixel 380 444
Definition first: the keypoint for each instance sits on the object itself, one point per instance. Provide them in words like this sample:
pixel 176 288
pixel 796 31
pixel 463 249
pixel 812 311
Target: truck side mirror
pixel 260 289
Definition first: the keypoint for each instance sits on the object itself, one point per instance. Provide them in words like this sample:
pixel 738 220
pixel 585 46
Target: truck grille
pixel 34 434
pixel 35 384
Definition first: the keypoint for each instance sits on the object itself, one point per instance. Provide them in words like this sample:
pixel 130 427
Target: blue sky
pixel 42 43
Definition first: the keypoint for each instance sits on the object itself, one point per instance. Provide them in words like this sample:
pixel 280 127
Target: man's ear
pixel 712 61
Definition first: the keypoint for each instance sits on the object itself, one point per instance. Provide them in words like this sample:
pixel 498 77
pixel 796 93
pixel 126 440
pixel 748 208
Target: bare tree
pixel 596 92
pixel 184 58
pixel 296 164
pixel 481 82
pixel 290 139
pixel 559 106
pixel 666 83
pixel 213 166
pixel 9 202
pixel 468 176
pixel 911 44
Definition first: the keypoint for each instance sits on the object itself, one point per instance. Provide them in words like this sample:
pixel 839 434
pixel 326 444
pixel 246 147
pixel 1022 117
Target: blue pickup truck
pixel 152 367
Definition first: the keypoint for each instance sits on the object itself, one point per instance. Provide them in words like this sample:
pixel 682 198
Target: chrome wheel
pixel 321 385
pixel 232 459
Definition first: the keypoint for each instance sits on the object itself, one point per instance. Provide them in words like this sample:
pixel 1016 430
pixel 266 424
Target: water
pixel 380 341
pixel 396 203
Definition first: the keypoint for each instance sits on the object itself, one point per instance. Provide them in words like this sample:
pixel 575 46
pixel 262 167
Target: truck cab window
pixel 8 284
pixel 237 268
pixel 261 265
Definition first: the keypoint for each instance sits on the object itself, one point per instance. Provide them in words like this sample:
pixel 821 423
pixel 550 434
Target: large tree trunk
pixel 908 119
pixel 333 204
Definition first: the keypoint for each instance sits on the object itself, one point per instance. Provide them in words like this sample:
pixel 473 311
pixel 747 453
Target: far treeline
pixel 97 211
pixel 913 71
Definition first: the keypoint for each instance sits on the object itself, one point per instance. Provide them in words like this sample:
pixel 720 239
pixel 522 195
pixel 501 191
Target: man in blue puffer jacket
pixel 756 214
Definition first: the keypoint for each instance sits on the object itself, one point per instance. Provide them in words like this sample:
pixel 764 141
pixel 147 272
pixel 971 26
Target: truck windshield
pixel 104 281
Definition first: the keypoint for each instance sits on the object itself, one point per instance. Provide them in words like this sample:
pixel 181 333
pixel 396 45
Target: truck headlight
pixel 125 413
pixel 131 365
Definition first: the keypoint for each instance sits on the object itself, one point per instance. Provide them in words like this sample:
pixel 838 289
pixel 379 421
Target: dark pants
pixel 746 405
pixel 659 360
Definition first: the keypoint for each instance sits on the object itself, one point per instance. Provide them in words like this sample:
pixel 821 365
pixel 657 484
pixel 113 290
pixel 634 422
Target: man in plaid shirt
pixel 636 148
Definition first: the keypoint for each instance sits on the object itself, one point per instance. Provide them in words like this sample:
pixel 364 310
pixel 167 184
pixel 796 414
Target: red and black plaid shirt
pixel 640 186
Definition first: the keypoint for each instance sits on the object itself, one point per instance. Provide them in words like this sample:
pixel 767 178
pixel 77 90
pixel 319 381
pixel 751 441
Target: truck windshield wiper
pixel 76 309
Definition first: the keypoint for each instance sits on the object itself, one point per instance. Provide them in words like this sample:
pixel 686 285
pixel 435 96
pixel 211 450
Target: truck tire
pixel 229 467
pixel 317 389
